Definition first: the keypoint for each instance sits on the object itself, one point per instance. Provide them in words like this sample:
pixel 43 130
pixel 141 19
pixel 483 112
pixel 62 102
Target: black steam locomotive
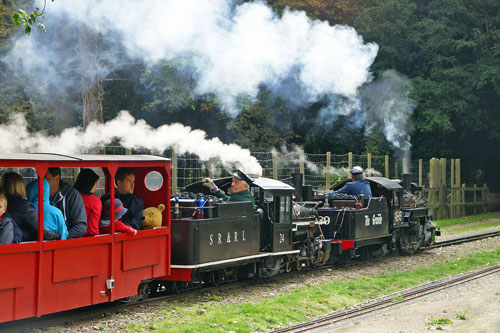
pixel 290 227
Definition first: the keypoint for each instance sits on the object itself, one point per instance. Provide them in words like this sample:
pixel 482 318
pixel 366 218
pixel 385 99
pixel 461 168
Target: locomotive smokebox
pixel 297 183
pixel 407 182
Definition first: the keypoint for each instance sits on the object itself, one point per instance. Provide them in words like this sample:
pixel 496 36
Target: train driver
pixel 357 186
pixel 240 188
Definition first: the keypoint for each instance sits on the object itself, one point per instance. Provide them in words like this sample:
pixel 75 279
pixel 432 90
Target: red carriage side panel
pixel 74 273
pixel 18 281
pixel 138 258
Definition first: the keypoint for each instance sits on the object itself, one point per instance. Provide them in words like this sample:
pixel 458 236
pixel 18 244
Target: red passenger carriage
pixel 50 276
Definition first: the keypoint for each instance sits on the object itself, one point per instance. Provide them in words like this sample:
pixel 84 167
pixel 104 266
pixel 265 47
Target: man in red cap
pixel 240 188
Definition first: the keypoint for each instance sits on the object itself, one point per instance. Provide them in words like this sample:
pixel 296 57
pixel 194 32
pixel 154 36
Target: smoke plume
pixel 232 48
pixel 131 133
pixel 388 107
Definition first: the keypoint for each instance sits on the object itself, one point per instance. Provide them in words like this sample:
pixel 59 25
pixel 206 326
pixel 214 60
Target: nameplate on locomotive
pixel 374 219
pixel 226 238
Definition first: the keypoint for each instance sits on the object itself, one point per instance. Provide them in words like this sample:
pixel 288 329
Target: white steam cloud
pixel 131 134
pixel 389 107
pixel 232 48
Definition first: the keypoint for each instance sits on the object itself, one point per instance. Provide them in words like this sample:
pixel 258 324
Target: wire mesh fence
pixel 319 170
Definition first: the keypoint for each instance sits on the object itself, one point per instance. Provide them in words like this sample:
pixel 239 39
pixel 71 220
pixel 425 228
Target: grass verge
pixel 467 219
pixel 305 303
pixel 472 227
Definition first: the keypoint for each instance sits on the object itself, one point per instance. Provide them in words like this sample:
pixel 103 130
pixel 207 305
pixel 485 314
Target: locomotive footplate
pixel 186 272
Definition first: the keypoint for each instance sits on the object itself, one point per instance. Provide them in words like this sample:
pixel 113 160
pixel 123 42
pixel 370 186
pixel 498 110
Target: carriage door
pixel 282 225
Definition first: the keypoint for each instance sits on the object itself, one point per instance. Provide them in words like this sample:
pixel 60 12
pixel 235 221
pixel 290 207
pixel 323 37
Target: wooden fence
pixel 440 178
pixel 447 196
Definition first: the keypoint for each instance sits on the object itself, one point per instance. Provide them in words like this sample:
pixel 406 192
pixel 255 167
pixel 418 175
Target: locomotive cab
pixel 274 205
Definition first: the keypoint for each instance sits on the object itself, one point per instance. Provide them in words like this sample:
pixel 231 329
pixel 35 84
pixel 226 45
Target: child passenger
pixel 105 225
pixel 52 217
pixel 6 222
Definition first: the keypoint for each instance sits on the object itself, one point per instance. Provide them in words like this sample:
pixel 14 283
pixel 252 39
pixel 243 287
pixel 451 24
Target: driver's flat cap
pixel 243 176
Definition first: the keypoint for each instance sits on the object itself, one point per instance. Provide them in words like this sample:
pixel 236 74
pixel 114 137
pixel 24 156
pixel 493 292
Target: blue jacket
pixel 356 187
pixel 52 217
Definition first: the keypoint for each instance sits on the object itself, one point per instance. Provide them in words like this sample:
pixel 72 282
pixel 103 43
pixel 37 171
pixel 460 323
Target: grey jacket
pixel 6 230
pixel 70 202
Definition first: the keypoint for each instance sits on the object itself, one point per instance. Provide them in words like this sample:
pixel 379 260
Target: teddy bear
pixel 152 217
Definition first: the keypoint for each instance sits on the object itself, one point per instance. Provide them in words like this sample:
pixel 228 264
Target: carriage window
pixel 285 209
pixel 153 181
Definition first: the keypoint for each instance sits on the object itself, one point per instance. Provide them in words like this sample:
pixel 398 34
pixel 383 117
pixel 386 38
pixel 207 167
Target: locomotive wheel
pixel 216 277
pixel 144 291
pixel 175 287
pixel 288 266
pixel 298 265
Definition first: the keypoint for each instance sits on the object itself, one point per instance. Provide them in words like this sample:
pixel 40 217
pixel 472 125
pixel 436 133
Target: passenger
pixel 86 184
pixel 52 217
pixel 125 183
pixel 120 211
pixel 6 222
pixel 357 186
pixel 69 201
pixel 239 188
pixel 23 211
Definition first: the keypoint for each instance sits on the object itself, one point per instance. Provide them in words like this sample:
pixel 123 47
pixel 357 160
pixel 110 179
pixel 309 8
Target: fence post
pixel 444 210
pixel 462 199
pixel 458 181
pixel 484 197
pixel 211 170
pixel 386 164
pixel 405 165
pixel 452 188
pixel 369 160
pixel 302 169
pixel 420 170
pixel 475 199
pixel 174 171
pixel 128 151
pixel 349 160
pixel 76 171
pixel 328 163
pixel 275 164
pixel 432 185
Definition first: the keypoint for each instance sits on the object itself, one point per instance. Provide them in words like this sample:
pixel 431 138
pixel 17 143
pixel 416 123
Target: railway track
pixel 106 309
pixel 390 300
pixel 457 241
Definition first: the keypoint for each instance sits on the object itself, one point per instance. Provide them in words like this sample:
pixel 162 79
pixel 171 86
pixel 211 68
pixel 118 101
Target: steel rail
pixel 464 239
pixel 391 300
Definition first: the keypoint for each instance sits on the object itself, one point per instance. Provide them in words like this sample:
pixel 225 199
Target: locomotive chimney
pixel 297 183
pixel 407 182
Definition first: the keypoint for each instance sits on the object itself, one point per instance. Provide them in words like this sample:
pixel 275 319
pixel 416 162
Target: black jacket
pixel 26 217
pixel 70 203
pixel 135 208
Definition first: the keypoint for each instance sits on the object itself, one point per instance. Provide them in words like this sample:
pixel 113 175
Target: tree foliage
pixel 449 49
